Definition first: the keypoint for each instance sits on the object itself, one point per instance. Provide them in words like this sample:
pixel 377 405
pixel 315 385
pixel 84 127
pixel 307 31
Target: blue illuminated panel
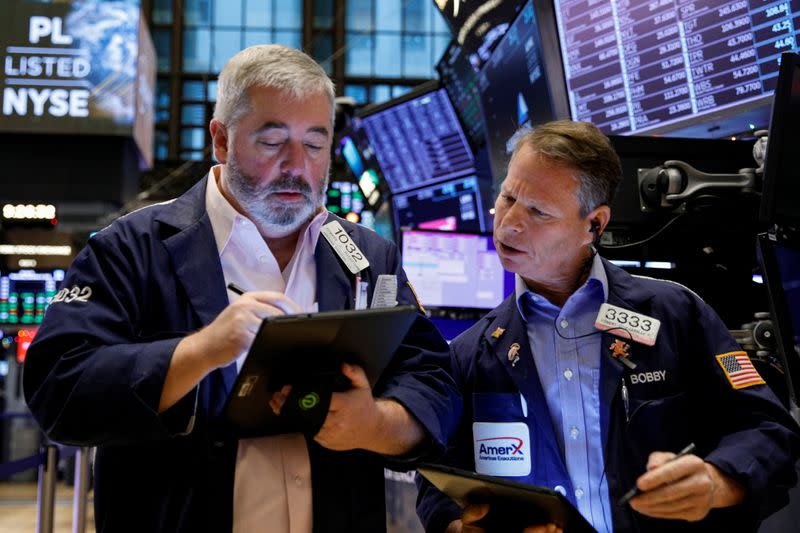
pixel 419 142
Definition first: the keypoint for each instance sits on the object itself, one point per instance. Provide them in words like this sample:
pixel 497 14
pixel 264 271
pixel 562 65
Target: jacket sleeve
pixel 757 441
pixel 419 375
pixel 435 509
pixel 90 376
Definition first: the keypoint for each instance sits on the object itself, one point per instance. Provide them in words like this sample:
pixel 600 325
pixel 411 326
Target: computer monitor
pixel 418 139
pixel 25 294
pixel 780 199
pixel 452 206
pixel 780 266
pixel 460 81
pixel 514 88
pixel 359 156
pixel 455 270
pixel 652 67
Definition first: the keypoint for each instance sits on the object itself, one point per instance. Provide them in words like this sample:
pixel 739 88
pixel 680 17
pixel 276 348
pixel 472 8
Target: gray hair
pixel 268 65
pixel 583 147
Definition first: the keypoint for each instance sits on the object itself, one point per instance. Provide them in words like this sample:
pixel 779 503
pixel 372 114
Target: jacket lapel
pixel 334 285
pixel 196 260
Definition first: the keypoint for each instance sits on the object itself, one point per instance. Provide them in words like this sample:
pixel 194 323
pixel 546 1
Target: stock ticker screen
pixel 636 66
pixel 24 295
pixel 419 141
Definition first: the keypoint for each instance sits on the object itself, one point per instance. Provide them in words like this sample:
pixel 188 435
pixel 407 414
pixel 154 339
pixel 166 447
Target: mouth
pixel 289 196
pixel 508 250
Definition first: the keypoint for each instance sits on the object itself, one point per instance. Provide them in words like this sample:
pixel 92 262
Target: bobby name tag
pixel 344 246
pixel 502 448
pixel 641 328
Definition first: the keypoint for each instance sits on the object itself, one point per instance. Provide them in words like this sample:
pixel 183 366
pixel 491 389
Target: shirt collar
pixel 597 274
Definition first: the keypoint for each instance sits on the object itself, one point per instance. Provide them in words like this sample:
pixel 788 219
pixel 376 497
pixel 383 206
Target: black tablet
pixel 513 505
pixel 307 351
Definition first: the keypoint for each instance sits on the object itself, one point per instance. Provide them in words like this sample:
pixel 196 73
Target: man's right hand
pixel 234 329
pixel 220 342
pixel 475 512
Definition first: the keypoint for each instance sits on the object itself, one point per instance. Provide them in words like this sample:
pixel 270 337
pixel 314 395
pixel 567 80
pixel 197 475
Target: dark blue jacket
pixel 746 433
pixel 94 374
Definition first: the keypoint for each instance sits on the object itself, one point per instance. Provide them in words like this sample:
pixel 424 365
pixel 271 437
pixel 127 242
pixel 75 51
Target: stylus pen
pixel 635 490
pixel 236 289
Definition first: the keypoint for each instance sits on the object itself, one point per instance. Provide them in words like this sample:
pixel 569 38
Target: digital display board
pixel 455 269
pixel 514 88
pixel 451 206
pixel 461 83
pixel 71 67
pixel 24 295
pixel 478 26
pixel 637 67
pixel 418 141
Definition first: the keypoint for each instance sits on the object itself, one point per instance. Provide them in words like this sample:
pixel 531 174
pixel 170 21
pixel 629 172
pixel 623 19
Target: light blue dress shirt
pixel 569 371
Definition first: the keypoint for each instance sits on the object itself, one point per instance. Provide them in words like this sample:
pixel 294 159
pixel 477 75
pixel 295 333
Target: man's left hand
pixel 354 418
pixel 684 489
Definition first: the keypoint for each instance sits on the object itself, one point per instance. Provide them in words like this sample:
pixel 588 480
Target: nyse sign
pixel 49 76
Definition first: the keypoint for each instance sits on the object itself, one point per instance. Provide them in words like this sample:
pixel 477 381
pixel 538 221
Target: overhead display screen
pixel 478 26
pixel 419 141
pixel 634 67
pixel 461 83
pixel 514 89
pixel 69 67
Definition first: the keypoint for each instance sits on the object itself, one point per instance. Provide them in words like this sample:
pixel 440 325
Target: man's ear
pixel 219 140
pixel 598 220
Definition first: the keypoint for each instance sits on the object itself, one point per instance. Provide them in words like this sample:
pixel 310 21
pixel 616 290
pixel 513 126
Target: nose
pixel 292 157
pixel 512 219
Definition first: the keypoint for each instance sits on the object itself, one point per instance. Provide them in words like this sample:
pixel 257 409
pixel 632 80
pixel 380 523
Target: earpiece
pixel 595 228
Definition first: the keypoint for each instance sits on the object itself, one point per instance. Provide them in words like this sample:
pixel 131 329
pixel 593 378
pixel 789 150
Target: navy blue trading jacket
pixel 678 394
pixel 94 374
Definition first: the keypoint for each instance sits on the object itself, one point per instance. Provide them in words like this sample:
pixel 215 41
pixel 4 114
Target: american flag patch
pixel 739 370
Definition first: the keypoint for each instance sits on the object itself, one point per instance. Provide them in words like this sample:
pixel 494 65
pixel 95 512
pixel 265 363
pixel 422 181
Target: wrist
pixel 726 491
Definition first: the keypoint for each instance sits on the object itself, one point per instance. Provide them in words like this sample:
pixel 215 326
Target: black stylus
pixel 635 490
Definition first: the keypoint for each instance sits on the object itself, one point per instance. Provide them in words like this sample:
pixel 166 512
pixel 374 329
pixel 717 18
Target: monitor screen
pixel 455 269
pixel 514 88
pixel 780 265
pixel 418 141
pixel 648 67
pixel 780 201
pixel 24 295
pixel 461 83
pixel 451 206
pixel 478 26
pixel 71 67
pixel 359 156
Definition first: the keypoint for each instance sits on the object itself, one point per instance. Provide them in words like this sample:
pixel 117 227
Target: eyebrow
pixel 322 130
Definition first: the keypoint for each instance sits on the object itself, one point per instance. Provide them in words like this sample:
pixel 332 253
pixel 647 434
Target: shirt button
pixel 561 490
pixel 574 432
pixel 262 258
pixel 298 480
pixel 579 493
pixel 564 323
pixel 568 374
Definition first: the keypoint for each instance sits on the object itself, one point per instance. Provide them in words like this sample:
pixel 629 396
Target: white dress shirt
pixel 272 487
